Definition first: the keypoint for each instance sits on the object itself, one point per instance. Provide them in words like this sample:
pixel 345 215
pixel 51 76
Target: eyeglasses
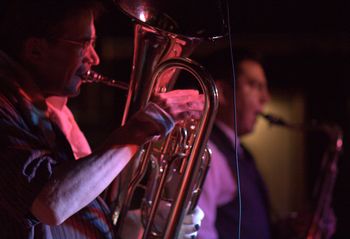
pixel 84 43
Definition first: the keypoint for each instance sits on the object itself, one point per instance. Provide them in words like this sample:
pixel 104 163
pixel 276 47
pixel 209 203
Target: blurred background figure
pixel 286 208
pixel 219 197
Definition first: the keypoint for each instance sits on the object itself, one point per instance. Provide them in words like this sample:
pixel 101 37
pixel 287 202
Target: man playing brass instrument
pixel 46 47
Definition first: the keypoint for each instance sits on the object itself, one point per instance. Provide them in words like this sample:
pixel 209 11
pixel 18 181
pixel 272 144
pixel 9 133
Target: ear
pixel 35 50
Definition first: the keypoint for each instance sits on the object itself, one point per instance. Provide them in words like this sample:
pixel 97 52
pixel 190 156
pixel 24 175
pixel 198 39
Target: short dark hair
pixel 21 19
pixel 219 63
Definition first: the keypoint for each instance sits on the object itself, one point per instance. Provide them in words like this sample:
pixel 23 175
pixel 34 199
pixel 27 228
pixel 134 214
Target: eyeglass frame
pixel 83 43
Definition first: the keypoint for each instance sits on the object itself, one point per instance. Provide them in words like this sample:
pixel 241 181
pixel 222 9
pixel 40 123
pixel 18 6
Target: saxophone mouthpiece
pixel 274 119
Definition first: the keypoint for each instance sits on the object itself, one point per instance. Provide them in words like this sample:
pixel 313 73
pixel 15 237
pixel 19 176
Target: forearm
pixel 76 183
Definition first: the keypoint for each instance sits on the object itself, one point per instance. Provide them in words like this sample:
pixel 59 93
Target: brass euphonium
pixel 164 180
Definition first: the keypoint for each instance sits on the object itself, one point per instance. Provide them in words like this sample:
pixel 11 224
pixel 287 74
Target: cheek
pixel 243 100
pixel 246 108
pixel 70 69
pixel 248 96
pixel 70 81
pixel 74 63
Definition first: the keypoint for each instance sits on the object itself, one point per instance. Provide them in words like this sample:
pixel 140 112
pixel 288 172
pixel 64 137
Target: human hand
pixel 189 228
pixel 191 224
pixel 157 118
pixel 329 223
pixel 148 123
pixel 181 104
pixel 301 223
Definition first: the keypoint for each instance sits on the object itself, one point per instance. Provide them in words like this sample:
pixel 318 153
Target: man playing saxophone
pixel 46 48
pixel 219 197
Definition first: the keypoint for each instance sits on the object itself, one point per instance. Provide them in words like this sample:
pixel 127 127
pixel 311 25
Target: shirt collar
pixel 229 132
pixel 57 102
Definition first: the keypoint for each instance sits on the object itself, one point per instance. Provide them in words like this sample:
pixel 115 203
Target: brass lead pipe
pixel 94 77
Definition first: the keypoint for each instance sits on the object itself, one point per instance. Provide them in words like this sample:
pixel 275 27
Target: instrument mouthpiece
pixel 94 77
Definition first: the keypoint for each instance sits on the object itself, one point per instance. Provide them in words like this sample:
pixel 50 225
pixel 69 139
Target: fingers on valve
pixel 190 229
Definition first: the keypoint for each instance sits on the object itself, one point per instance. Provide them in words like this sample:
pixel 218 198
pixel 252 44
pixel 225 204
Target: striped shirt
pixel 31 148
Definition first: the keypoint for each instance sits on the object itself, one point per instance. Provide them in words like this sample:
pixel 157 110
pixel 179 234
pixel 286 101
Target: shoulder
pixel 219 174
pixel 8 108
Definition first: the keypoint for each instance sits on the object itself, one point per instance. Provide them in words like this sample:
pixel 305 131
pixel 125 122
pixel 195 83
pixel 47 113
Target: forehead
pixel 79 26
pixel 252 70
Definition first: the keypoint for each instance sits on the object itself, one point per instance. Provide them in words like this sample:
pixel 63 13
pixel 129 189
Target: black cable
pixel 233 78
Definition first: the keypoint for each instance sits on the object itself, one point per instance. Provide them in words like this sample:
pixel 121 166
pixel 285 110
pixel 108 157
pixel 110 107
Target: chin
pixel 244 130
pixel 73 89
pixel 72 93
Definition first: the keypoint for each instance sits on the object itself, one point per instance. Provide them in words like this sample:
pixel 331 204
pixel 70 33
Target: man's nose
pixel 95 57
pixel 265 96
pixel 92 56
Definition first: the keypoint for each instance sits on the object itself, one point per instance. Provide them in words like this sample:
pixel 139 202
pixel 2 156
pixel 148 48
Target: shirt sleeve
pixel 158 121
pixel 218 189
pixel 26 164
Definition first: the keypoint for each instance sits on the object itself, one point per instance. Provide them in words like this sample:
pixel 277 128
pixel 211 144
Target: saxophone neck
pixel 333 131
pixel 276 120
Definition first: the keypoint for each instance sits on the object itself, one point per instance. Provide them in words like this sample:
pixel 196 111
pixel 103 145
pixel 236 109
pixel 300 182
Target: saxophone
pixel 316 222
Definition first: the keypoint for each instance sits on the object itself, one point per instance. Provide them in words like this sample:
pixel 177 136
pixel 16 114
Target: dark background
pixel 306 45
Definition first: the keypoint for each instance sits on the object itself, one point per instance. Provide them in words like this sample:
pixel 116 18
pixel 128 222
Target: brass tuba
pixel 164 180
